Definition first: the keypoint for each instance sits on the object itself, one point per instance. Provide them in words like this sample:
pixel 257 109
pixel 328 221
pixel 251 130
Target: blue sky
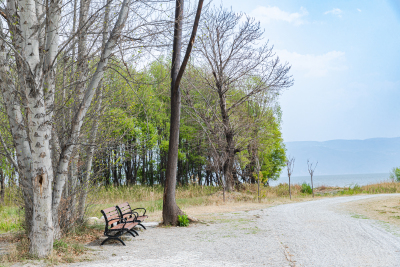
pixel 345 58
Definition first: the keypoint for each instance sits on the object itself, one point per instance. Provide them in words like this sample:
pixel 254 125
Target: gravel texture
pixel 314 233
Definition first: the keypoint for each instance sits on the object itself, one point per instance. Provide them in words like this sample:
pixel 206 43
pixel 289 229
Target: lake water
pixel 343 180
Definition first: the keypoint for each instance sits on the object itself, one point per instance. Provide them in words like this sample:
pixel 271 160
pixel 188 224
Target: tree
pixel 289 167
pixel 237 69
pixel 32 40
pixel 170 208
pixel 311 170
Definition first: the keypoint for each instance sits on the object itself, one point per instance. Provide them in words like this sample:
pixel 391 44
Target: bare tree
pixel 311 170
pixel 236 68
pixel 290 166
pixel 170 208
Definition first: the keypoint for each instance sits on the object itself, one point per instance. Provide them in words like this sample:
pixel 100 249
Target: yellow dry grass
pixel 385 209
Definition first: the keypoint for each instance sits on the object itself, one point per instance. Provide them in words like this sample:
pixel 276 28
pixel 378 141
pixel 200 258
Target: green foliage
pixel 183 220
pixel 10 219
pixel 306 188
pixel 60 245
pixel 395 174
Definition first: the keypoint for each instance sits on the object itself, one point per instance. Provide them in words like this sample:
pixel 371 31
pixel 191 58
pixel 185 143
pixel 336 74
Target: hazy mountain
pixel 376 155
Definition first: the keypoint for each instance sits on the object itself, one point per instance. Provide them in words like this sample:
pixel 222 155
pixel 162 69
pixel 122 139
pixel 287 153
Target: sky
pixel 345 58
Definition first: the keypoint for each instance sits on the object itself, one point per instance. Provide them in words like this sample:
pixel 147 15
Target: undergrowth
pixel 381 188
pixel 183 220
pixel 68 249
pixel 10 219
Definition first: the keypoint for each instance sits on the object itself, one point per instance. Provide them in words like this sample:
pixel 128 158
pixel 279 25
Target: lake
pixel 343 180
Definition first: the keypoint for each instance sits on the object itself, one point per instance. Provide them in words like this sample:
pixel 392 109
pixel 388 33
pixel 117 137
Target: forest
pixel 94 93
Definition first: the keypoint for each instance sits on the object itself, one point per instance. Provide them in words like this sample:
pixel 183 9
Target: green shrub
pixel 306 188
pixel 395 174
pixel 183 220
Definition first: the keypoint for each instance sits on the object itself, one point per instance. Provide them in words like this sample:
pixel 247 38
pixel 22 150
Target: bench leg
pixel 131 232
pixel 109 238
pixel 142 226
pixel 137 234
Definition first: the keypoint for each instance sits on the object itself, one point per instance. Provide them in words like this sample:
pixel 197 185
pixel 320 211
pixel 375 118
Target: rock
pixel 150 224
pixel 94 220
pixel 192 219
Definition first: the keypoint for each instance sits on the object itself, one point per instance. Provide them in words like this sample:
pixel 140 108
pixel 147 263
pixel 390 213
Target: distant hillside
pixel 376 155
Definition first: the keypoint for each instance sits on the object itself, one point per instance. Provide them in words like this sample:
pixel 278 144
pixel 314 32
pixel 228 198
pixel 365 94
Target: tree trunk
pixel 228 164
pixel 170 208
pixel 89 161
pixel 2 187
pixel 312 186
pixel 84 106
pixel 144 175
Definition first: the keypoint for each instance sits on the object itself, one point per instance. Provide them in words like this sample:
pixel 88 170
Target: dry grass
pixel 200 202
pixel 66 250
pixel 385 209
pixel 189 196
pixel 381 188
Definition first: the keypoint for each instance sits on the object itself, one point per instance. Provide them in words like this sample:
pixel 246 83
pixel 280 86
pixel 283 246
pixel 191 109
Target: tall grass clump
pixel 380 188
pixel 149 197
pixel 11 219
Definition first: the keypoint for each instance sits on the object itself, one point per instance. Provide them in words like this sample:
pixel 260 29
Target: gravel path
pixel 314 233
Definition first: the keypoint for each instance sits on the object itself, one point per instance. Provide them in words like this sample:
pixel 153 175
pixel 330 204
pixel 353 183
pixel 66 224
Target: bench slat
pixel 127 226
pixel 110 209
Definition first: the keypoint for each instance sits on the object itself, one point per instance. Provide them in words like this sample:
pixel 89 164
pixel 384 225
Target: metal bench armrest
pixel 144 213
pixel 132 213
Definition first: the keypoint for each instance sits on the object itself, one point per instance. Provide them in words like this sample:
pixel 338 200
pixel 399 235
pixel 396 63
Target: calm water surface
pixel 336 180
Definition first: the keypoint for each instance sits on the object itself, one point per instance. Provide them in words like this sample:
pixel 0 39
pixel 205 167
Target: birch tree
pixel 30 44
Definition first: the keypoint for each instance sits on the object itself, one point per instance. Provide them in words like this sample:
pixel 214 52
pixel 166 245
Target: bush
pixel 183 220
pixel 395 174
pixel 306 188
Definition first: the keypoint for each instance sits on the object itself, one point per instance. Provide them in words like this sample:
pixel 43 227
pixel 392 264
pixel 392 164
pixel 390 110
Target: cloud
pixel 359 10
pixel 335 11
pixel 269 13
pixel 314 65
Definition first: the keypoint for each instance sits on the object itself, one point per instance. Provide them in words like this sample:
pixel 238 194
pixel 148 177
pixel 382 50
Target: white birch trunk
pixel 93 132
pixel 89 161
pixel 39 126
pixel 18 130
pixel 36 67
pixel 82 72
pixel 62 169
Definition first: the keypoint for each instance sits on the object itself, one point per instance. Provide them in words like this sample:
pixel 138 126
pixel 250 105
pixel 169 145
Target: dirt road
pixel 313 233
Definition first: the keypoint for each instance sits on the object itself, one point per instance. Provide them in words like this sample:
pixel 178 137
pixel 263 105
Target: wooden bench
pixel 116 225
pixel 126 212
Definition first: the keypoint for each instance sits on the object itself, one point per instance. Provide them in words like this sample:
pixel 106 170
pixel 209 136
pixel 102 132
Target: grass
pixel 359 216
pixel 381 188
pixel 10 219
pixel 149 197
pixel 71 245
pixel 66 250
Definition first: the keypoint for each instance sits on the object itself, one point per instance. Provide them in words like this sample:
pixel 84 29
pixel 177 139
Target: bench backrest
pixel 111 216
pixel 125 208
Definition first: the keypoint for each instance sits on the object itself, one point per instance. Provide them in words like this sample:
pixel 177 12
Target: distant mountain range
pixel 376 155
